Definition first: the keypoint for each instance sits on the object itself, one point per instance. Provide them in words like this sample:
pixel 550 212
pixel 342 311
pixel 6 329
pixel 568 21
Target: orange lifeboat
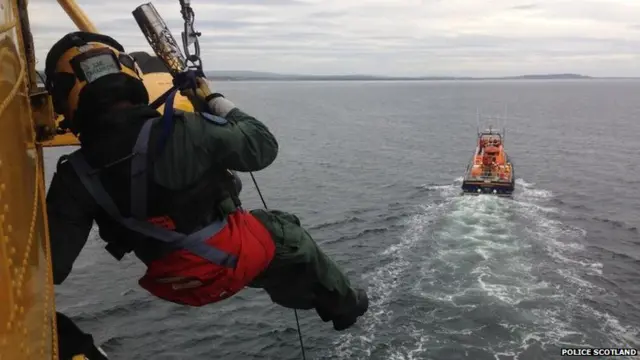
pixel 489 171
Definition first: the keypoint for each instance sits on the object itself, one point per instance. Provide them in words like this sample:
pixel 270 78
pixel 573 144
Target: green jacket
pixel 238 142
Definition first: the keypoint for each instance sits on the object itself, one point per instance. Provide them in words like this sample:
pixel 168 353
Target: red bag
pixel 188 279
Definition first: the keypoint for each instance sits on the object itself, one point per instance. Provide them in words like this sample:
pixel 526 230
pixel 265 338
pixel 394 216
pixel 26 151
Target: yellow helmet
pixel 80 59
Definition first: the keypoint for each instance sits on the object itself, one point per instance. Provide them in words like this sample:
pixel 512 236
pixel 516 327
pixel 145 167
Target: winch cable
pixel 187 80
pixel 189 37
pixel 295 311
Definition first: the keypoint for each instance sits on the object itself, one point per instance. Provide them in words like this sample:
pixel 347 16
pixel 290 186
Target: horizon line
pixel 274 75
pixel 266 74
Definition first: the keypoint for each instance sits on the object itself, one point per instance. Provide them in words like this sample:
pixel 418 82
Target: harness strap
pixel 139 173
pixel 167 120
pixel 140 159
pixel 194 242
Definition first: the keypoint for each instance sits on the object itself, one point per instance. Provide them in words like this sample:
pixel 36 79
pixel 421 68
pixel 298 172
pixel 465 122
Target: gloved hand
pixel 198 97
pixel 204 100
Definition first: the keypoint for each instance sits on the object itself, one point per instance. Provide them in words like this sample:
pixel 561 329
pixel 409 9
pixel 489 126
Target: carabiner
pixel 189 35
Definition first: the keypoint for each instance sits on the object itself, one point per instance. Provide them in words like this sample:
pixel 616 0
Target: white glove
pixel 215 102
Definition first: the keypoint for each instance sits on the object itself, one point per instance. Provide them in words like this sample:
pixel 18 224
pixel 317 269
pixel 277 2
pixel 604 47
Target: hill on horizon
pixel 151 64
pixel 257 75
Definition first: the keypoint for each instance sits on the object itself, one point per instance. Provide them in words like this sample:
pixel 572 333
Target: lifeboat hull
pixel 472 187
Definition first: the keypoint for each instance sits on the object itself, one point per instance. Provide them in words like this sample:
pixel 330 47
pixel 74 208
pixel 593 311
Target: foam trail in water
pixel 385 280
pixel 478 253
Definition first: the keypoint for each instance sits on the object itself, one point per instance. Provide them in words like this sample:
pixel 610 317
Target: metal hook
pixel 189 35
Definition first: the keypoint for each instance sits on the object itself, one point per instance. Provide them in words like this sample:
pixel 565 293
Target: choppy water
pixel 373 169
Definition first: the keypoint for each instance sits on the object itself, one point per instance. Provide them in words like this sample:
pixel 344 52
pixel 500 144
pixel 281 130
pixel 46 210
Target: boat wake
pixel 484 277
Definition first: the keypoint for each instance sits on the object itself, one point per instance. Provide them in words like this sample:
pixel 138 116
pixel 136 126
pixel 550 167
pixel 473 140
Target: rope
pixel 295 311
pixel 187 80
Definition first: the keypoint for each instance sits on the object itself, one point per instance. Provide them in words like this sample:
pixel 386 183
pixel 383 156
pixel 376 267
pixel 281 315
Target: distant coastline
pixel 264 76
pixel 261 76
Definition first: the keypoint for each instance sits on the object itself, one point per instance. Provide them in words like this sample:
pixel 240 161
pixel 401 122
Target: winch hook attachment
pixel 190 36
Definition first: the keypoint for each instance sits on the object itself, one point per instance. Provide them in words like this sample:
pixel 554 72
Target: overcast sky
pixel 392 37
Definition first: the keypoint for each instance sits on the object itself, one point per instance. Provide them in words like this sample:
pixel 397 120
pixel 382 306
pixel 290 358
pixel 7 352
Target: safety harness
pixel 194 242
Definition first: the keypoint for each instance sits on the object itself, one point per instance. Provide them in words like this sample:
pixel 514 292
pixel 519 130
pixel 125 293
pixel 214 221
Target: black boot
pixel 342 322
pixel 324 314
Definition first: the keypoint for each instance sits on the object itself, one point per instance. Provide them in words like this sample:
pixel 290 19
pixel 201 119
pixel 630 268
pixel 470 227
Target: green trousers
pixel 300 275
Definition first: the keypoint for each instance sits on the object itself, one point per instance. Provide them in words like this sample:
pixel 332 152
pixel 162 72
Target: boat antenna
pixel 478 121
pixel 504 125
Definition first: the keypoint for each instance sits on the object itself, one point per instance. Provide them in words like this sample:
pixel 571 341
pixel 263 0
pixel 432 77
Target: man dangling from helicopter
pixel 167 193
